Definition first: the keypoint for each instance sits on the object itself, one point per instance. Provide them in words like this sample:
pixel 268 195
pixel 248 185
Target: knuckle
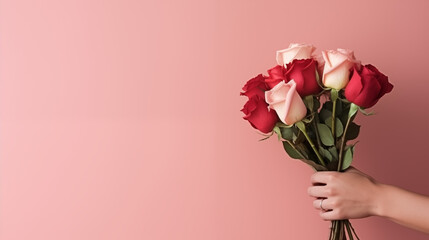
pixel 335 204
pixel 332 176
pixel 330 192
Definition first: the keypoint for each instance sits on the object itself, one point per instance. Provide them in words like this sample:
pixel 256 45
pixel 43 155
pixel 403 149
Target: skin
pixel 353 194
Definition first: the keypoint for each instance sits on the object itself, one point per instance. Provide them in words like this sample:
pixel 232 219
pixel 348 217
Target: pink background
pixel 120 119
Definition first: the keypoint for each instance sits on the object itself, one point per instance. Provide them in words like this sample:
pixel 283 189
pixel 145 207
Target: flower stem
pixel 352 112
pixel 293 146
pixel 354 231
pixel 334 97
pixel 334 108
pixel 343 143
pixel 349 231
pixel 316 130
pixel 301 127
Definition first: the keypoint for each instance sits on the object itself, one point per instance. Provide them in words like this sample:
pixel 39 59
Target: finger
pixel 330 215
pixel 323 204
pixel 318 191
pixel 322 177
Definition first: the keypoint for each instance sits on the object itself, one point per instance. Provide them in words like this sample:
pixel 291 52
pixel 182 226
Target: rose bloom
pixel 303 72
pixel 259 116
pixel 367 86
pixel 255 86
pixel 320 63
pixel 338 64
pixel 285 100
pixel 294 51
pixel 275 75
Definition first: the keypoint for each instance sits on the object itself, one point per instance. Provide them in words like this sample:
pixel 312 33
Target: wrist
pixel 380 200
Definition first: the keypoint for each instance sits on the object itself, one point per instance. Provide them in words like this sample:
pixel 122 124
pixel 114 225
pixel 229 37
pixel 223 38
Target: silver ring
pixel 321 207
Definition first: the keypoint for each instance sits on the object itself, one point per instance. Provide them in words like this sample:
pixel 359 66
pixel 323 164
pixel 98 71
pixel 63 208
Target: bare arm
pixel 355 195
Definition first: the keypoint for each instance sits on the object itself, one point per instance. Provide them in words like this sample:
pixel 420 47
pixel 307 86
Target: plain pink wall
pixel 120 119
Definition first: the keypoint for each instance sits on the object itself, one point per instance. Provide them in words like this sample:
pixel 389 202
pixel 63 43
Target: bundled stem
pixel 342 230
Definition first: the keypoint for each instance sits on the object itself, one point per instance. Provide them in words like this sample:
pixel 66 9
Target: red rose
pixel 255 86
pixel 304 73
pixel 258 114
pixel 276 75
pixel 367 86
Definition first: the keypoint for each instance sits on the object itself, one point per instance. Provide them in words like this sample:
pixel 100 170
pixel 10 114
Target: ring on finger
pixel 321 205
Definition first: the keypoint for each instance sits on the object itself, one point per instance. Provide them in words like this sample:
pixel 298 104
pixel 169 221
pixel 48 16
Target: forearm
pixel 404 207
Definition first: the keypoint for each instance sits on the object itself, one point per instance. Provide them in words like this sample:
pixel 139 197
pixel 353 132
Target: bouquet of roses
pixel 310 102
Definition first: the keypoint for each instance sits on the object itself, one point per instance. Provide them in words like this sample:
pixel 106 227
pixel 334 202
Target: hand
pixel 347 195
pixel 353 194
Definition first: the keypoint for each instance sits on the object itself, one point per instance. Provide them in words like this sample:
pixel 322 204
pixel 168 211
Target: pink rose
pixel 295 51
pixel 285 100
pixel 259 116
pixel 338 63
pixel 320 63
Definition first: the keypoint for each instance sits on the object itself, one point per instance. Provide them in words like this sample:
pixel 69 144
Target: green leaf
pixel 325 134
pixel 277 131
pixel 334 152
pixel 287 133
pixel 325 153
pixel 352 131
pixel 348 158
pixel 353 110
pixel 339 129
pixel 298 138
pixel 308 101
pixel 300 125
pixel 291 151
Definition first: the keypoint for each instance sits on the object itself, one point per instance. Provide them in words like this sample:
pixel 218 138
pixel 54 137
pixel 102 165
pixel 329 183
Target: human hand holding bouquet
pixel 310 103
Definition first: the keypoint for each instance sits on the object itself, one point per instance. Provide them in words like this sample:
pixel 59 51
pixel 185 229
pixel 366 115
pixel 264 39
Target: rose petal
pixel 285 100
